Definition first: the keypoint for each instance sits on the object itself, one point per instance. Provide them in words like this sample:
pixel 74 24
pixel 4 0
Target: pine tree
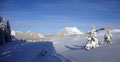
pixel 8 31
pixel 5 31
pixel 2 34
pixel 108 37
pixel 92 40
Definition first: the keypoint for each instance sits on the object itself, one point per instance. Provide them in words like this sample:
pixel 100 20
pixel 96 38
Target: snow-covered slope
pixel 67 31
pixel 67 49
pixel 73 49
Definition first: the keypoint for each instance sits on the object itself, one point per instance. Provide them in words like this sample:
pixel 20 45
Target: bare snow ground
pixel 62 50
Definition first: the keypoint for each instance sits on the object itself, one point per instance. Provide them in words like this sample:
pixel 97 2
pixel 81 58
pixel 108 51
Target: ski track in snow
pixel 68 49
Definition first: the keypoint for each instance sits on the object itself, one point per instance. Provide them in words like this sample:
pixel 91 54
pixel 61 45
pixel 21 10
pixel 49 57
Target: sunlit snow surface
pixel 67 49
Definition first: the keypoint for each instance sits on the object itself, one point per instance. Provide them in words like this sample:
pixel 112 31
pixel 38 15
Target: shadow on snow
pixel 24 51
pixel 76 47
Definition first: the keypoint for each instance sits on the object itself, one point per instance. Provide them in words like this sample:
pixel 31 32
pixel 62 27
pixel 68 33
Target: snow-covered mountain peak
pixel 69 31
pixel 70 28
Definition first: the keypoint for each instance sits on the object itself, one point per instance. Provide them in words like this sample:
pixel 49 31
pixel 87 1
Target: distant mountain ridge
pixel 67 31
pixel 27 35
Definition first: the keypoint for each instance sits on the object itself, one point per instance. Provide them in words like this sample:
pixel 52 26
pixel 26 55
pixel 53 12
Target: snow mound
pixel 69 31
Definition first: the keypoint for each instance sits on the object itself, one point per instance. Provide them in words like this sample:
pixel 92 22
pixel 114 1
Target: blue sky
pixel 49 16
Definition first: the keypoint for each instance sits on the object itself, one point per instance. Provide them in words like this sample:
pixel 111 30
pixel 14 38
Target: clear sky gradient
pixel 49 16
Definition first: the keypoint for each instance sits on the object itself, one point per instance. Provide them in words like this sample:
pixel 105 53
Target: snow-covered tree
pixel 108 37
pixel 2 34
pixel 92 40
pixel 8 31
pixel 5 31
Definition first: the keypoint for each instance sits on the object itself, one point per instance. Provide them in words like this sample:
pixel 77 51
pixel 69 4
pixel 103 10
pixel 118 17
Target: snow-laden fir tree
pixel 108 37
pixel 9 31
pixel 92 40
pixel 5 31
pixel 2 34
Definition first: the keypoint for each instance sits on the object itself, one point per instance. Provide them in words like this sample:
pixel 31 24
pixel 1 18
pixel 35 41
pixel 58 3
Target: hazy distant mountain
pixel 27 35
pixel 37 36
